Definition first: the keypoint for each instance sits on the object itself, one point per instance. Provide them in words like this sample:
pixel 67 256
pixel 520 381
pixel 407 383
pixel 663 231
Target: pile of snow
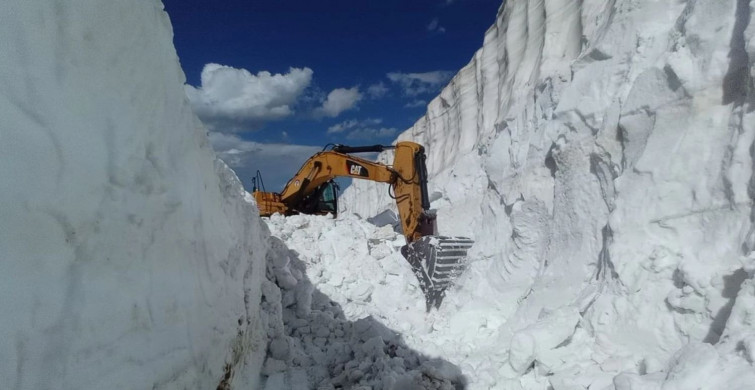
pixel 129 257
pixel 313 343
pixel 600 154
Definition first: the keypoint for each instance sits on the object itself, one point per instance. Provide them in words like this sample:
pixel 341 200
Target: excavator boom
pixel 435 260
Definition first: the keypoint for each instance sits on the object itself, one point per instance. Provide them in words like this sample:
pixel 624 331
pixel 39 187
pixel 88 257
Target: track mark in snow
pixel 661 221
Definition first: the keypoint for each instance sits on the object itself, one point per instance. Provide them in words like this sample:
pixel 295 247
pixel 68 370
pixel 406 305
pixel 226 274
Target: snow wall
pixel 129 258
pixel 600 153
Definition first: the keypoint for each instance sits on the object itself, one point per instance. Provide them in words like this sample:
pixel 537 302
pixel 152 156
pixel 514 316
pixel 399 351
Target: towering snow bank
pixel 128 256
pixel 600 153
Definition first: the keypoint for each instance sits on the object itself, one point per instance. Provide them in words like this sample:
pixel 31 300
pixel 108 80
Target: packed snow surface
pixel 600 153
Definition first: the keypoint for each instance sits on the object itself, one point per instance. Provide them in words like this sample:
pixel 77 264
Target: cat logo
pixel 355 169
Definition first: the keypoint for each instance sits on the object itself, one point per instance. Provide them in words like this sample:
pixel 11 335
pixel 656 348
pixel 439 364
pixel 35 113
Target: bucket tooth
pixel 437 261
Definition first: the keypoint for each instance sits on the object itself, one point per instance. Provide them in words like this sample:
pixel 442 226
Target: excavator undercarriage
pixel 435 260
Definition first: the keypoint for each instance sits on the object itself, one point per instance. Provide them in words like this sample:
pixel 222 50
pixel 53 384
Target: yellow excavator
pixel 436 260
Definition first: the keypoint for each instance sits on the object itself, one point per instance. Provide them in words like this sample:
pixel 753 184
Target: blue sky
pixel 275 81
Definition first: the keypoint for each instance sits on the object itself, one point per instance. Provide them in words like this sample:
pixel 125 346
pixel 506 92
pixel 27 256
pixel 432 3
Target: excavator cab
pixel 323 200
pixel 436 260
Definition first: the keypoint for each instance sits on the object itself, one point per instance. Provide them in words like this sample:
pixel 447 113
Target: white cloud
pixel 435 27
pixel 362 129
pixel 377 91
pixel 338 101
pixel 341 127
pixel 369 133
pixel 416 103
pixel 353 123
pixel 232 99
pixel 276 162
pixel 420 83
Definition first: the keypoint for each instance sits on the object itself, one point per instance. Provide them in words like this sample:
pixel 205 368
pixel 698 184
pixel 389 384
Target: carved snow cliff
pixel 600 153
pixel 129 258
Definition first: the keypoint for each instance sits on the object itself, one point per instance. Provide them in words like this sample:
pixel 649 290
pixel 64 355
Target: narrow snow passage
pixel 359 267
pixel 313 343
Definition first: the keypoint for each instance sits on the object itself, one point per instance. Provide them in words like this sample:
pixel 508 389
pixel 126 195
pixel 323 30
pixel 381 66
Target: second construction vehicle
pixel 436 260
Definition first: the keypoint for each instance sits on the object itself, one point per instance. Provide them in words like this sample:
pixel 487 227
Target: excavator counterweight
pixel 436 260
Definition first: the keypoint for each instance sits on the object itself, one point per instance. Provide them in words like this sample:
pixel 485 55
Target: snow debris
pixel 312 344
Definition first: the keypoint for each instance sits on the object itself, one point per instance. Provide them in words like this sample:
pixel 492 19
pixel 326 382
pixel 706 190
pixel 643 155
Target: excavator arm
pixel 436 260
pixel 407 178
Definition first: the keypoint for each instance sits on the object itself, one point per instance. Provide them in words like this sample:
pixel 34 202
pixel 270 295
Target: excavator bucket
pixel 437 261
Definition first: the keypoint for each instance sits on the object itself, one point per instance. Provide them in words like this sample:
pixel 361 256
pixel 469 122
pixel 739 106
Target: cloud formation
pixel 415 84
pixel 371 133
pixel 366 129
pixel 416 103
pixel 378 90
pixel 338 101
pixel 353 123
pixel 435 27
pixel 276 162
pixel 231 99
